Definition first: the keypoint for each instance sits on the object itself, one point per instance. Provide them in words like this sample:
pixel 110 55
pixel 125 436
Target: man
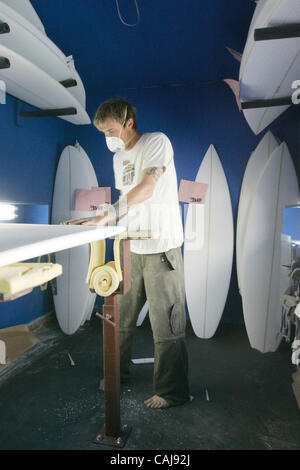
pixel 145 174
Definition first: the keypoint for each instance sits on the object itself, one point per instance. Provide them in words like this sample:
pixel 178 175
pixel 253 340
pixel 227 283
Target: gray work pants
pixel 158 278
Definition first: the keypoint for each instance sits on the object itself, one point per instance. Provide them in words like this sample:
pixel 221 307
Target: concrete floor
pixel 46 403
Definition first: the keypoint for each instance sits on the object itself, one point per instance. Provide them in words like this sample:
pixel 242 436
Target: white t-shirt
pixel 161 212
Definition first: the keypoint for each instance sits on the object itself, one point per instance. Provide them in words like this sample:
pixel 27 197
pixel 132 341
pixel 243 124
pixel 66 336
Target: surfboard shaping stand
pixel 111 433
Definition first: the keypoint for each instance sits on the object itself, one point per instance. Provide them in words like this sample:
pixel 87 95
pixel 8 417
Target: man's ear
pixel 129 124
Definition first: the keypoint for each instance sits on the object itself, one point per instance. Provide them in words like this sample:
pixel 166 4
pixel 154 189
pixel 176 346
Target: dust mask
pixel 115 144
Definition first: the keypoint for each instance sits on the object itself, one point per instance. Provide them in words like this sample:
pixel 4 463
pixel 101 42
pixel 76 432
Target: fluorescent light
pixel 7 211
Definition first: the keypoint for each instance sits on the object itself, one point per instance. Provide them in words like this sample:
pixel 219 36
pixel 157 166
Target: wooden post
pixel 111 432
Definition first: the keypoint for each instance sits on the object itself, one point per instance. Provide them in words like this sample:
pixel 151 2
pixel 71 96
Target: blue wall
pixel 192 116
pixel 291 222
pixel 29 154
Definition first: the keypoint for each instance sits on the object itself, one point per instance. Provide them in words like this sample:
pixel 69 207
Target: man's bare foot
pixel 156 402
pixel 101 385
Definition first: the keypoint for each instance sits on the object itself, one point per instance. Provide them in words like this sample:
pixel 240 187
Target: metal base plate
pixel 119 441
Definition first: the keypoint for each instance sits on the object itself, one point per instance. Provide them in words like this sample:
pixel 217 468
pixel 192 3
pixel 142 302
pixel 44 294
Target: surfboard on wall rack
pixel 254 167
pixel 74 302
pixel 29 41
pixel 31 84
pixel 208 249
pixel 264 279
pixel 269 66
pixel 26 10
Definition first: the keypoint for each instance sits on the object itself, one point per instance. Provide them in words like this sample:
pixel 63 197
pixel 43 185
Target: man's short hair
pixel 115 108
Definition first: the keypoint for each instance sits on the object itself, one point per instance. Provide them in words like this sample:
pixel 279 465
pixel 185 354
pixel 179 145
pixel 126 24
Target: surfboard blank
pixel 208 256
pixel 74 302
pixel 41 239
pixel 29 41
pixel 263 278
pixel 252 173
pixel 26 10
pixel 31 84
pixel 268 68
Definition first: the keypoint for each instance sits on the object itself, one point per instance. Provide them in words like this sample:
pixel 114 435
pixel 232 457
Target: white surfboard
pixel 264 280
pixel 25 9
pixel 268 68
pixel 143 314
pixel 26 39
pixel 41 239
pixel 31 84
pixel 74 302
pixel 253 170
pixel 208 264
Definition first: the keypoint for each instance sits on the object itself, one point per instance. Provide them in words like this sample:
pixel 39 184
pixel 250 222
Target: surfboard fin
pixel 235 87
pixel 235 54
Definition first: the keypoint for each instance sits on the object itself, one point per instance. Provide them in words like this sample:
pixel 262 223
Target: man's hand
pixel 97 220
pixel 93 221
pixel 73 222
pixel 138 194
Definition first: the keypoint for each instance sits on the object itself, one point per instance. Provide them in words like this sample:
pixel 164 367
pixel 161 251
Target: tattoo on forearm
pixel 155 171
